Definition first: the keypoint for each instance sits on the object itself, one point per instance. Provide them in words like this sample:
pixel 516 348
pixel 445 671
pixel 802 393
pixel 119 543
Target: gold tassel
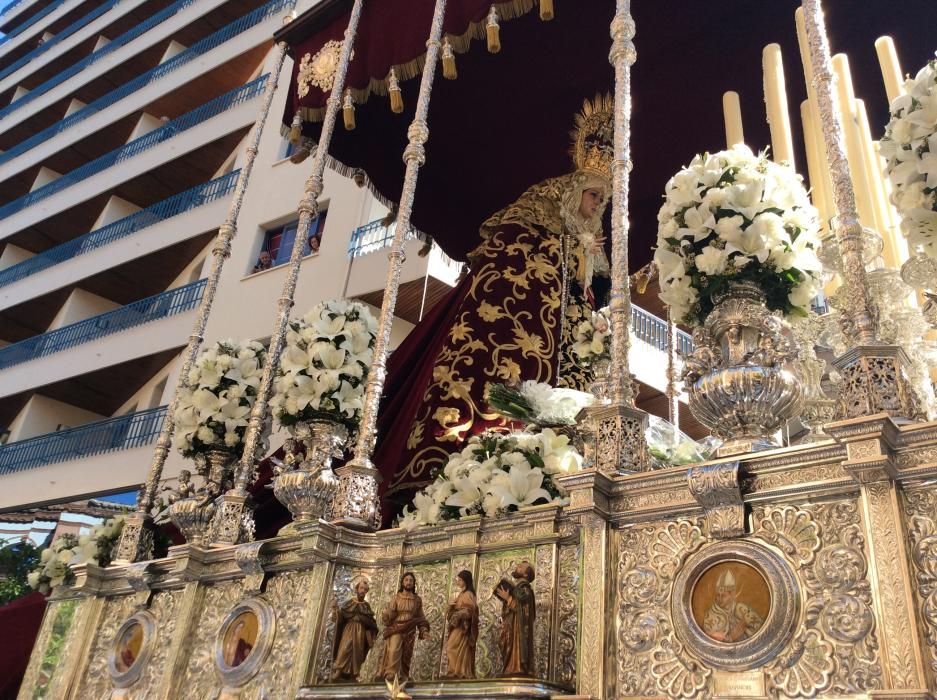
pixel 296 128
pixel 299 156
pixel 494 31
pixel 348 111
pixel 396 97
pixel 449 71
pixel 546 10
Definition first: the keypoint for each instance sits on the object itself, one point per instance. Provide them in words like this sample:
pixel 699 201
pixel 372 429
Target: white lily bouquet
pixel 538 403
pixel 56 562
pixel 324 366
pixel 909 147
pixel 214 407
pixel 496 474
pixel 734 216
pixel 593 337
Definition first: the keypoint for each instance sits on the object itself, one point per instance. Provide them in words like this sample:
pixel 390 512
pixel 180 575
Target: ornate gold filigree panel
pixel 920 507
pixel 200 679
pixel 433 583
pixel 491 569
pixel 567 615
pixel 651 661
pixel 835 650
pixel 164 608
pixel 96 682
pixel 288 595
pixel 50 668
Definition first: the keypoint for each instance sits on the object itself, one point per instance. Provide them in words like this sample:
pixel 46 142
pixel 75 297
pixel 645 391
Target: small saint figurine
pixel 462 620
pixel 168 496
pixel 355 631
pixel 517 622
pixel 402 618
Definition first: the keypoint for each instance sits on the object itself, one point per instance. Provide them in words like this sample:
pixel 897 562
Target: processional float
pixel 796 572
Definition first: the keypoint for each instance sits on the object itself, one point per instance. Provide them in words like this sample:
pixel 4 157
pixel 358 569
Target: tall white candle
pixel 891 68
pixel 816 167
pixel 874 168
pixel 776 104
pixel 732 113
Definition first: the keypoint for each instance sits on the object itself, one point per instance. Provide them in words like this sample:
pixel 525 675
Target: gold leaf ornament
pixel 319 69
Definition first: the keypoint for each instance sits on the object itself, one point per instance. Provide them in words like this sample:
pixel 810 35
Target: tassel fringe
pixel 493 31
pixel 393 89
pixel 348 112
pixel 296 128
pixel 449 71
pixel 299 156
pixel 546 10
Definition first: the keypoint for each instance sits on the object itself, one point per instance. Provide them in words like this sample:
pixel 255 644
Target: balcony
pixel 88 180
pixel 59 80
pixel 160 306
pixel 42 469
pixel 372 237
pixel 51 17
pixel 121 433
pixel 135 86
pixel 75 26
pixel 165 211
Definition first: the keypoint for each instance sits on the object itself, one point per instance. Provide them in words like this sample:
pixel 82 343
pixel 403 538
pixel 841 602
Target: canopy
pixel 503 124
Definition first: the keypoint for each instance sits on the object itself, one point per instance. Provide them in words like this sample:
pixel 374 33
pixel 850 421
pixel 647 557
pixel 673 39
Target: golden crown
pixel 593 137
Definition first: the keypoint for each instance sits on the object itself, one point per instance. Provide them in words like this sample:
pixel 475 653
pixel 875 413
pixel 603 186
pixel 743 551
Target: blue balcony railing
pixel 169 303
pixel 9 6
pixel 653 331
pixel 370 237
pixel 73 70
pixel 184 201
pixel 62 35
pixel 121 433
pixel 20 28
pixel 170 129
pixel 197 49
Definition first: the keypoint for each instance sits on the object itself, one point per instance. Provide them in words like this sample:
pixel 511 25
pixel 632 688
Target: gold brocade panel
pixel 61 625
pixel 200 679
pixel 96 682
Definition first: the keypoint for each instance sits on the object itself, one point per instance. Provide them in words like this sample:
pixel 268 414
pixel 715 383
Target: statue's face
pixel 592 199
pixel 459 583
pixel 409 583
pixel 725 597
pixel 362 589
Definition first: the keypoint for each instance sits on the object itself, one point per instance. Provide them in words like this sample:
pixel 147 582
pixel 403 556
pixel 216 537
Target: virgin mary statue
pixel 535 275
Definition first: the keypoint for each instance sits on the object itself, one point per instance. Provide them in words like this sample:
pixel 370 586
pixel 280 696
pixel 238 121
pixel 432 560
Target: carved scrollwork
pixel 567 615
pixel 921 507
pixel 716 488
pixel 805 668
pixel 791 530
pixel 836 649
pixel 676 673
pixel 672 545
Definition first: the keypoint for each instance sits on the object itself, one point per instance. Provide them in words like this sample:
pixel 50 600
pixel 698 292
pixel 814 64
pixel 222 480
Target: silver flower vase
pixel 306 486
pixel 193 516
pixel 601 372
pixel 736 380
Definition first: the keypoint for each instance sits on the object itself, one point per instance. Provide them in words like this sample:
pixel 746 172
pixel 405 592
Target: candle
pixel 732 112
pixel 816 167
pixel 891 69
pixel 846 100
pixel 776 104
pixel 874 168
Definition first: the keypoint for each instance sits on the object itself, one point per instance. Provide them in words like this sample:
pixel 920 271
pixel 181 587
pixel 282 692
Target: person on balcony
pixel 263 262
pixel 536 274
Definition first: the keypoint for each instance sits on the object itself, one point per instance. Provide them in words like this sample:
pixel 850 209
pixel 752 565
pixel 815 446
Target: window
pixel 278 242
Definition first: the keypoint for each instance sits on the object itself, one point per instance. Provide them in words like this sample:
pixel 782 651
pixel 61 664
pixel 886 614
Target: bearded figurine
pixel 539 270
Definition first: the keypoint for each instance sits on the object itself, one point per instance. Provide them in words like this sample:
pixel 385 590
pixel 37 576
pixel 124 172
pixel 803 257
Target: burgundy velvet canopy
pixel 503 124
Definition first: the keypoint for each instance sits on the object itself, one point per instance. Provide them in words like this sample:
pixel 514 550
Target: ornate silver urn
pixel 737 383
pixel 601 371
pixel 306 485
pixel 193 515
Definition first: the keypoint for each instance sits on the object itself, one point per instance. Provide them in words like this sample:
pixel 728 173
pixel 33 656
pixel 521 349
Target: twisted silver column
pixel 234 523
pixel 136 538
pixel 356 503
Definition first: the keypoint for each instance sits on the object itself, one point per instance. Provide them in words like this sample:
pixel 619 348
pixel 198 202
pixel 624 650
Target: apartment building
pixel 123 126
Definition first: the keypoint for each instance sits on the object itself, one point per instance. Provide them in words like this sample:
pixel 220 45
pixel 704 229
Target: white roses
pixel 214 408
pixel 496 474
pixel 733 215
pixel 909 147
pixel 324 365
